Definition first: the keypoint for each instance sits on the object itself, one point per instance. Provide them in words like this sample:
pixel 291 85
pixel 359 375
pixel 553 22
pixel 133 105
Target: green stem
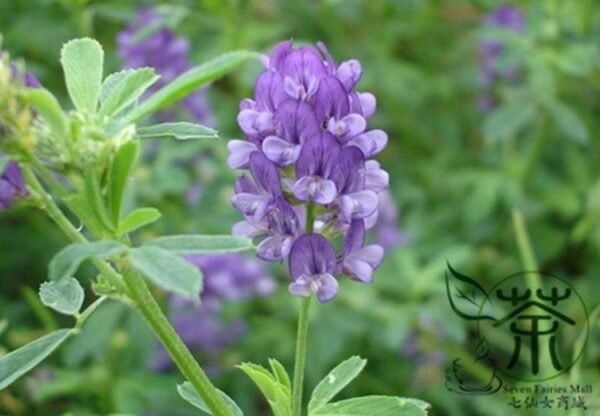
pixel 300 360
pixel 50 207
pixel 65 225
pixel 185 361
pixel 135 286
pixel 530 264
pixel 85 315
pixel 528 259
pixel 302 334
pixel 48 177
pixel 310 218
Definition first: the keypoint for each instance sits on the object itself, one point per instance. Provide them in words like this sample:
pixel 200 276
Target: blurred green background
pixel 458 172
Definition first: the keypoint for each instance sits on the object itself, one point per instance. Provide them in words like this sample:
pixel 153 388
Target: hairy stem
pixel 185 361
pixel 132 284
pixel 56 215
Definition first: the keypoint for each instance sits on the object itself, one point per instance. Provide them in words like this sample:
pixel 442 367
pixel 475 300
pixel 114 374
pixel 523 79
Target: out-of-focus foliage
pixel 456 172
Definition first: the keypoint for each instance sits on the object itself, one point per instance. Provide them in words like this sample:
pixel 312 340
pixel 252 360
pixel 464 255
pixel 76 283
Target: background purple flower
pixel 227 278
pixel 491 49
pixel 387 232
pixel 167 53
pixel 421 346
pixel 307 142
pixel 12 185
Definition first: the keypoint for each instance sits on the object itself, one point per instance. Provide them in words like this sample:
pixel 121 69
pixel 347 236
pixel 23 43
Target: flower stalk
pixel 300 360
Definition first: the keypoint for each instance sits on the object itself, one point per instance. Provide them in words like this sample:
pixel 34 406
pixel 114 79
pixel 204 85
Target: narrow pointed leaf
pixel 335 381
pixel 178 130
pixel 64 296
pixel 18 362
pixel 276 394
pixel 168 270
pixel 82 61
pixel 95 201
pixel 190 81
pixel 127 90
pixel 280 374
pixel 187 392
pixel 67 261
pixel 137 219
pixel 123 162
pixel 110 82
pixel 202 244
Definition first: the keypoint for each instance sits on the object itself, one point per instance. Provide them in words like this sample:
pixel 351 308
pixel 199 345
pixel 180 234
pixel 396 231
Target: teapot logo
pixel 535 315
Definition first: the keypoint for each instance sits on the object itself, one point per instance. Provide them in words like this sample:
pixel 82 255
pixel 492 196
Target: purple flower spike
pixel 359 261
pixel 312 267
pixel 12 185
pixel 307 143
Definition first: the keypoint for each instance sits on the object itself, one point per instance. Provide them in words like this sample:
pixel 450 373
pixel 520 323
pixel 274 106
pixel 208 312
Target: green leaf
pixel 126 90
pixel 82 61
pixel 168 270
pixel 48 107
pixel 179 131
pixel 202 244
pixel 277 395
pixel 123 162
pixel 280 374
pixel 508 120
pixel 18 362
pixel 137 219
pixel 188 393
pixel 190 81
pixel 67 261
pixel 110 82
pixel 335 381
pixel 64 296
pixel 567 121
pixel 374 405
